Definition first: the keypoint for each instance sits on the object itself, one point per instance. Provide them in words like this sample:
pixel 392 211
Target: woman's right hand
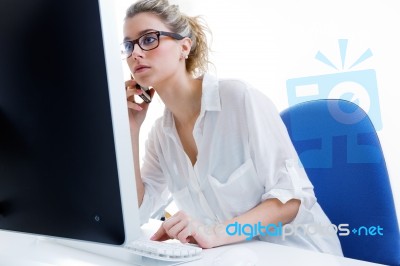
pixel 137 111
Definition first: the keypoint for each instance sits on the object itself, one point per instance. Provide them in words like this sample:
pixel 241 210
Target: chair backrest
pixel 341 153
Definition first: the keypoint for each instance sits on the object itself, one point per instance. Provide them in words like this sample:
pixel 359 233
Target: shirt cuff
pixel 290 186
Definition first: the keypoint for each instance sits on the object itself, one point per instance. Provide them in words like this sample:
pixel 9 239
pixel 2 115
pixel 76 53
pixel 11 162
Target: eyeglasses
pixel 146 42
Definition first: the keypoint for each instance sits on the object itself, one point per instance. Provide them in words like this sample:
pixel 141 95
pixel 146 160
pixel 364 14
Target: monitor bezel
pixel 120 121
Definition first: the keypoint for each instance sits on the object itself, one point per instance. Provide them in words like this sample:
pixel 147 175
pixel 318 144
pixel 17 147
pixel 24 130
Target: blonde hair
pixel 193 27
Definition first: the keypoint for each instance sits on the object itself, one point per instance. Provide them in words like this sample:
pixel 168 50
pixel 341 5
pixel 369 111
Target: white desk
pixel 26 250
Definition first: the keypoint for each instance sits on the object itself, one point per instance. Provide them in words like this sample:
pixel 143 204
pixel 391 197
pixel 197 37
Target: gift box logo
pixel 359 87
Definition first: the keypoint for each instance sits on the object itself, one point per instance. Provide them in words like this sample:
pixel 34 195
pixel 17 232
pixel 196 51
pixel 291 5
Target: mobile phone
pixel 145 93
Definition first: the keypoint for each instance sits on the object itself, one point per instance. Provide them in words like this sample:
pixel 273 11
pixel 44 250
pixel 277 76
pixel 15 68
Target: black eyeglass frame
pixel 173 35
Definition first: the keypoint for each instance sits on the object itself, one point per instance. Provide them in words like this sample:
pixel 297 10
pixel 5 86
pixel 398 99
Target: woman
pixel 220 148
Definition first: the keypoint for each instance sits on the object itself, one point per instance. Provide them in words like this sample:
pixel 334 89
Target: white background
pixel 278 40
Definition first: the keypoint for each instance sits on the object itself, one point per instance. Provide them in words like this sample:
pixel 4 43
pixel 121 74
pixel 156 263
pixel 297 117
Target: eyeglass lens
pixel 147 42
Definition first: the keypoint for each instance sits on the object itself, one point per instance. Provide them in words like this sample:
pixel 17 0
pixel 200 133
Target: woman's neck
pixel 183 99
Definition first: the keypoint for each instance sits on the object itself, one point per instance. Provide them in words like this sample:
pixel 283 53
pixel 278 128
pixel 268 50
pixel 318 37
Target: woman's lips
pixel 140 69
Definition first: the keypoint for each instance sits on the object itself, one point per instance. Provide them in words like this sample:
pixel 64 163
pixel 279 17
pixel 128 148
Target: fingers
pixel 130 84
pixel 131 91
pixel 134 106
pixel 177 227
pixel 184 235
pixel 160 235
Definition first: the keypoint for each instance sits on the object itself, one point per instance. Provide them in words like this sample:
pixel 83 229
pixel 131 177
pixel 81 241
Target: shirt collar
pixel 210 100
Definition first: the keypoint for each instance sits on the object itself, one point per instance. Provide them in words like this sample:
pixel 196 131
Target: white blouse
pixel 245 156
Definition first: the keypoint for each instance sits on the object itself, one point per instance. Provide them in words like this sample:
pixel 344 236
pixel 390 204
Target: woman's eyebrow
pixel 140 34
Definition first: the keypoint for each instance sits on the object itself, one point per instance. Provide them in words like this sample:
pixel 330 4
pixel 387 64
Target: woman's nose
pixel 137 51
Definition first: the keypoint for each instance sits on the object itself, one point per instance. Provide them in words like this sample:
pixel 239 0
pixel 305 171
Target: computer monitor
pixel 66 167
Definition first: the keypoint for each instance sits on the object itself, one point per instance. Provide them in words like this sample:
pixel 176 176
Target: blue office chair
pixel 341 153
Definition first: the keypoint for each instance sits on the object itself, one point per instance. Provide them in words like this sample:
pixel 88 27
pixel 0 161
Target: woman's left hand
pixel 183 228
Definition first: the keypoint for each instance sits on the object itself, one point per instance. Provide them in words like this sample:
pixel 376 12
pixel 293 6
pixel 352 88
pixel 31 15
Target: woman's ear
pixel 186 46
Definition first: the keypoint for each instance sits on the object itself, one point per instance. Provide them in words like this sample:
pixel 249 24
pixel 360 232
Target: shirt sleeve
pixel 155 185
pixel 275 159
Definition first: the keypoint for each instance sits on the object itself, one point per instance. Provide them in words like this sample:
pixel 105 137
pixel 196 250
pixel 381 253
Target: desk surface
pixel 26 250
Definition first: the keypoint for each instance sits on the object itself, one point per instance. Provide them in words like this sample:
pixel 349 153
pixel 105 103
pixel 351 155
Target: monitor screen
pixel 66 167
